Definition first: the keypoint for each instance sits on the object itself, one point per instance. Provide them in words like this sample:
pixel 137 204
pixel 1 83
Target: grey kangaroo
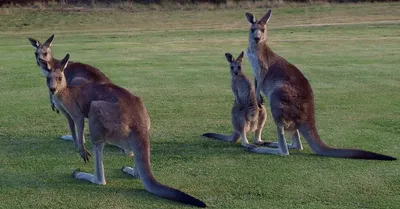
pixel 246 114
pixel 115 116
pixel 76 73
pixel 290 97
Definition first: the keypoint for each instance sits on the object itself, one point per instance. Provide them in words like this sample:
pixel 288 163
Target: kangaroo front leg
pixel 80 124
pixel 282 148
pixel 71 125
pixel 53 106
pixel 98 177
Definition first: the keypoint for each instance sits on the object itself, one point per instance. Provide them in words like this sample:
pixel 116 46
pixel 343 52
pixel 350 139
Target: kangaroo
pixel 290 98
pixel 246 114
pixel 115 116
pixel 76 73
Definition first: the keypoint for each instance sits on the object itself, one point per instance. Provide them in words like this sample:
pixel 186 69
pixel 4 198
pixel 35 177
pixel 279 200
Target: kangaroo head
pixel 55 76
pixel 43 53
pixel 235 65
pixel 258 28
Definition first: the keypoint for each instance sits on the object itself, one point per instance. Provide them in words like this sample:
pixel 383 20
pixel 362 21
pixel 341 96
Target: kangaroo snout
pixel 256 39
pixel 52 90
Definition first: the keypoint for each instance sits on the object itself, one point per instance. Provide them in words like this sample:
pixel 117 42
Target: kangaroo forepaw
pixel 85 154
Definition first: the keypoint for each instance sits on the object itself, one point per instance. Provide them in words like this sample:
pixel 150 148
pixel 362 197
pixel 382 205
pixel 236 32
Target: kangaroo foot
pixel 87 177
pixel 66 137
pixel 131 171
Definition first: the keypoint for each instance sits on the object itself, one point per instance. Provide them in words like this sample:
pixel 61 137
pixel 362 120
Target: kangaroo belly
pixel 247 116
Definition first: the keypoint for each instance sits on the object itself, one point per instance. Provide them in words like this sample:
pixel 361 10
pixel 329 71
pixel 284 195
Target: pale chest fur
pixel 58 103
pixel 253 59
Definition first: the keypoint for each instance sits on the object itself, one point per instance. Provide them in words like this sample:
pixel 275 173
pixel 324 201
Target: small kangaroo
pixel 290 97
pixel 115 116
pixel 76 73
pixel 246 114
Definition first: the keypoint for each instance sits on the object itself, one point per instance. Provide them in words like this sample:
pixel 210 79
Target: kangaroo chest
pixel 59 104
pixel 253 59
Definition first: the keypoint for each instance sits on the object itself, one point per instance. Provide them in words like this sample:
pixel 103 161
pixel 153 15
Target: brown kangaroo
pixel 290 97
pixel 76 73
pixel 115 116
pixel 246 114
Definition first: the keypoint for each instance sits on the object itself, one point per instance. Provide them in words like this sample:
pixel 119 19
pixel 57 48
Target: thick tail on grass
pixel 231 138
pixel 141 148
pixel 320 148
pixel 173 194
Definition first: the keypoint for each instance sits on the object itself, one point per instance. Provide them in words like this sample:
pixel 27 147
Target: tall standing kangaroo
pixel 290 97
pixel 246 114
pixel 76 73
pixel 115 116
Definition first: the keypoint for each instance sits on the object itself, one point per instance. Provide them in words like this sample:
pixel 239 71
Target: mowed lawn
pixel 175 61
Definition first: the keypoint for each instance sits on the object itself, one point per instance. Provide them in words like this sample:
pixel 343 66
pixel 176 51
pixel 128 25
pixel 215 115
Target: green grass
pixel 175 62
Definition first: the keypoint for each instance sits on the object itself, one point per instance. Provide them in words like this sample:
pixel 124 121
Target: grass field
pixel 175 62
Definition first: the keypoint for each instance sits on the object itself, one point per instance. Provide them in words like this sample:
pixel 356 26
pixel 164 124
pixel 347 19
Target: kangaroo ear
pixel 35 43
pixel 49 41
pixel 240 58
pixel 229 57
pixel 251 18
pixel 264 20
pixel 64 62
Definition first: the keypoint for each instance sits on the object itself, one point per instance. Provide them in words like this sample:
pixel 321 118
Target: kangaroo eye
pixel 239 67
pixel 252 30
pixel 45 54
pixel 58 78
pixel 231 67
pixel 262 30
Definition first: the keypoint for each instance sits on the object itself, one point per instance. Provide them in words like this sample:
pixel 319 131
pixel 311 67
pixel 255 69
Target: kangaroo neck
pixel 266 57
pixel 66 96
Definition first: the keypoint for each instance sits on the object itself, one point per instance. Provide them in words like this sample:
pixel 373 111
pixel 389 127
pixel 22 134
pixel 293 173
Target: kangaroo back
pixel 79 73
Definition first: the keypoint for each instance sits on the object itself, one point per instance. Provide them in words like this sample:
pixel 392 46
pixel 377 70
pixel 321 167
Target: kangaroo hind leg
pixel 262 118
pixel 295 144
pixel 98 176
pixel 97 130
pixel 281 149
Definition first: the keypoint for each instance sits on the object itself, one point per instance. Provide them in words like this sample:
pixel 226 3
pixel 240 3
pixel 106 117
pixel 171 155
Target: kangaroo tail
pixel 231 138
pixel 320 148
pixel 141 150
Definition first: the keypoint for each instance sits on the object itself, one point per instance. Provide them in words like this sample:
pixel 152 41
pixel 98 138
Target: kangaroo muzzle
pixel 52 90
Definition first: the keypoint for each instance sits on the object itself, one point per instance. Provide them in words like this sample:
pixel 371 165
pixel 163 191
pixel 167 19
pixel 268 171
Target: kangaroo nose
pixel 257 39
pixel 52 90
